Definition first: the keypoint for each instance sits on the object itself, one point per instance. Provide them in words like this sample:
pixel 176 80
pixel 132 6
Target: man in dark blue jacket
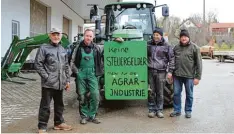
pixel 160 63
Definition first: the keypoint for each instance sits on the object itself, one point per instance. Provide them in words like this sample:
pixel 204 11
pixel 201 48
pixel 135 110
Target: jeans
pixel 157 83
pixel 178 84
pixel 44 111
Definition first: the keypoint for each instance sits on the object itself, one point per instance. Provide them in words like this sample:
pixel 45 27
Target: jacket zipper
pixel 59 67
pixel 154 56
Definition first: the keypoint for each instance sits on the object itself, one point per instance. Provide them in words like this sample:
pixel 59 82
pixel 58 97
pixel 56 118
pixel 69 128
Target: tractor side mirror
pixel 153 9
pixel 165 11
pixel 93 11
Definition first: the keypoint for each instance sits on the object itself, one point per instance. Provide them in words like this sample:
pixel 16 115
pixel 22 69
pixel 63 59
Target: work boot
pixel 160 115
pixel 151 114
pixel 188 115
pixel 83 121
pixel 42 131
pixel 95 120
pixel 174 114
pixel 63 126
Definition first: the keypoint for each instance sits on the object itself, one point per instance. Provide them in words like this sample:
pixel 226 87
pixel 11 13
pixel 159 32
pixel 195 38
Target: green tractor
pixel 132 21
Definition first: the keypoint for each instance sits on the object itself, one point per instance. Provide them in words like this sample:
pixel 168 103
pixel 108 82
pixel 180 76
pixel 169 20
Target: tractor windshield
pixel 130 18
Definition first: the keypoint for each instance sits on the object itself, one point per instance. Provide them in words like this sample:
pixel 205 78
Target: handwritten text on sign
pixel 125 70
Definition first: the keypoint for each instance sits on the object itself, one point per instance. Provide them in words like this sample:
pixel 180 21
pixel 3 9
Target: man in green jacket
pixel 188 71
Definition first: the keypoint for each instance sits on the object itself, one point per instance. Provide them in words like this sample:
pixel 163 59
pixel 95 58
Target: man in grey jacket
pixel 51 63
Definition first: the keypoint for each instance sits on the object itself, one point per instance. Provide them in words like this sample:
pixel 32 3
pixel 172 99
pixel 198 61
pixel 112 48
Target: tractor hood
pixel 128 34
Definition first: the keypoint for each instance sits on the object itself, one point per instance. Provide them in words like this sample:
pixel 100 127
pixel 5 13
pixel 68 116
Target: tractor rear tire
pixel 168 95
pixel 101 91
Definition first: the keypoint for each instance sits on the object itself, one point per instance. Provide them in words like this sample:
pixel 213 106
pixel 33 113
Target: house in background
pixel 221 32
pixel 221 29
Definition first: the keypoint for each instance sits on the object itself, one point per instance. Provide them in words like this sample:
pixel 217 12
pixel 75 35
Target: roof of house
pixel 191 20
pixel 199 25
pixel 222 25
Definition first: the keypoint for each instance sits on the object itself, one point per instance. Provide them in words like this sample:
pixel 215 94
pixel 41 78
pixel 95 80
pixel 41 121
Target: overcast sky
pixel 184 8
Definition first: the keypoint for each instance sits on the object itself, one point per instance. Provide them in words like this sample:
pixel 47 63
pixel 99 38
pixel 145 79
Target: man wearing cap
pixel 51 63
pixel 160 66
pixel 188 71
pixel 87 64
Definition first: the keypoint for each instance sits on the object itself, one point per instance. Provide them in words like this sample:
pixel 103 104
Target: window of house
pixel 15 28
pixel 80 29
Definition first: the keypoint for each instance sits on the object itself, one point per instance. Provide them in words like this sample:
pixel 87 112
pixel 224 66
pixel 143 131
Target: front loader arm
pixel 19 50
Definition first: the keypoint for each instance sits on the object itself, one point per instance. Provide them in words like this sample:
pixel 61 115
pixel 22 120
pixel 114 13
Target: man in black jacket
pixel 188 71
pixel 87 64
pixel 160 66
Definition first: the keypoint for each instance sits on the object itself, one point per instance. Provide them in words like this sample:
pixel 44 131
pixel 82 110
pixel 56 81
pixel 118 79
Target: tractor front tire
pixel 168 95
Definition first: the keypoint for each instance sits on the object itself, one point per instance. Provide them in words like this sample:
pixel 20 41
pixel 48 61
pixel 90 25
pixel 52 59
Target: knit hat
pixel 184 32
pixel 158 30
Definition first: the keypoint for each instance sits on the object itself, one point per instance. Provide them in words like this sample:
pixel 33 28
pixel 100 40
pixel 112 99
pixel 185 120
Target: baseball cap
pixel 55 30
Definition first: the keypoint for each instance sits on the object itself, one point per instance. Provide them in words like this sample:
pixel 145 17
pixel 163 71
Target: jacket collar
pixel 53 44
pixel 189 43
pixel 82 44
pixel 160 43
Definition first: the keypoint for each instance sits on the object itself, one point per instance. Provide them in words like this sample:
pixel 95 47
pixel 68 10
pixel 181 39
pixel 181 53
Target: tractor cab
pixel 130 20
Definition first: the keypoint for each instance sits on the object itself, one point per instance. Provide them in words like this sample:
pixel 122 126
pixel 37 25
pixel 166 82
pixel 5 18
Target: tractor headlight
pixel 144 5
pixel 113 7
pixel 138 5
pixel 118 6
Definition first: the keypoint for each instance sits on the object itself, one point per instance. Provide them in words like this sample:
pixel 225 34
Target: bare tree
pixel 196 18
pixel 170 25
pixel 173 24
pixel 211 17
pixel 196 32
